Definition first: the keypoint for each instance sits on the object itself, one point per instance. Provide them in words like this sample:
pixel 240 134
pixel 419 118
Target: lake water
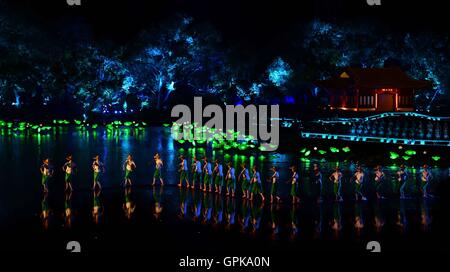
pixel 172 219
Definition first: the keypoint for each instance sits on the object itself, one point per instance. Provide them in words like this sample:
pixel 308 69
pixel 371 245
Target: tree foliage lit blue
pixel 181 57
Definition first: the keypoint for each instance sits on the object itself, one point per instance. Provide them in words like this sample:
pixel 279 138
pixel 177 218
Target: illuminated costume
pixel 207 179
pixel 129 166
pixel 218 178
pixel 231 180
pixel 382 184
pixel 425 178
pixel 244 176
pixel 98 168
pixel 319 182
pixel 336 178
pixel 69 169
pixel 358 178
pixel 196 172
pixel 274 185
pixel 158 170
pixel 183 172
pixel 402 178
pixel 256 185
pixel 294 185
pixel 46 173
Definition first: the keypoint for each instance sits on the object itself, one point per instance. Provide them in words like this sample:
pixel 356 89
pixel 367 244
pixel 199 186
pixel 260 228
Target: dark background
pixel 253 22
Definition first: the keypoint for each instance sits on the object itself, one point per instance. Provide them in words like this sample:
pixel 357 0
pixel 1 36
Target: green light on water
pixel 334 149
pixel 303 150
pixel 406 157
pixel 322 152
pixel 307 153
pixel 393 155
pixel 410 152
pixel 346 149
pixel 436 158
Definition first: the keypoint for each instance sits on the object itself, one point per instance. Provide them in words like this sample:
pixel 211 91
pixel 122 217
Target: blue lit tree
pixel 177 56
pixel 279 73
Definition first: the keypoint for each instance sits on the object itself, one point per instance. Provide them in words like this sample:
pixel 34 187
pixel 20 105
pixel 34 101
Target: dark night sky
pixel 237 20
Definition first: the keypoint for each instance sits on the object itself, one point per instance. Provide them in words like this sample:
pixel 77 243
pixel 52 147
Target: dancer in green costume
pixel 46 173
pixel 274 179
pixel 157 175
pixel 218 177
pixel 183 172
pixel 98 168
pixel 294 185
pixel 69 169
pixel 129 166
pixel 244 178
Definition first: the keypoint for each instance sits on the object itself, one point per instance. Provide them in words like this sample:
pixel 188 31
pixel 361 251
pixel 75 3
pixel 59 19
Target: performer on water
pixel 358 178
pixel 218 178
pixel 318 182
pixel 157 175
pixel 402 178
pixel 256 184
pixel 380 179
pixel 336 178
pixel 425 177
pixel 244 178
pixel 129 166
pixel 231 180
pixel 207 179
pixel 98 168
pixel 69 169
pixel 274 185
pixel 294 185
pixel 46 173
pixel 196 172
pixel 183 172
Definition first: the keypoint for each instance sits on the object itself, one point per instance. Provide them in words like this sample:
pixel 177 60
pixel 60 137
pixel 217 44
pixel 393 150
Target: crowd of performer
pixel 218 178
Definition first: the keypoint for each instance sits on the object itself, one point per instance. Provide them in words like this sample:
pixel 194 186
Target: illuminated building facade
pixel 372 89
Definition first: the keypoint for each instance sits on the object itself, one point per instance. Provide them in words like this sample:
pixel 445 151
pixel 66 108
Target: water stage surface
pixel 178 220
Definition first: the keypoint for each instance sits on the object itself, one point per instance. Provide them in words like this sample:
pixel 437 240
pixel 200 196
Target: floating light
pixel 393 155
pixel 436 158
pixel 346 149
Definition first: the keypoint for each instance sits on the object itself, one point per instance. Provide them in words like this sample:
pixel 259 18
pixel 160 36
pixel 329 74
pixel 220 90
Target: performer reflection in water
pixel 68 213
pixel 97 209
pixel 45 211
pixel 128 206
pixel 158 205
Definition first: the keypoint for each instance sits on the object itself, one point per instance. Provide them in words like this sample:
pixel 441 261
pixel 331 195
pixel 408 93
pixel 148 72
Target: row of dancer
pixel 98 168
pixel 213 178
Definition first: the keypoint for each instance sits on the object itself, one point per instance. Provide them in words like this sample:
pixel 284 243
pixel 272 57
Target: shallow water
pixel 174 219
